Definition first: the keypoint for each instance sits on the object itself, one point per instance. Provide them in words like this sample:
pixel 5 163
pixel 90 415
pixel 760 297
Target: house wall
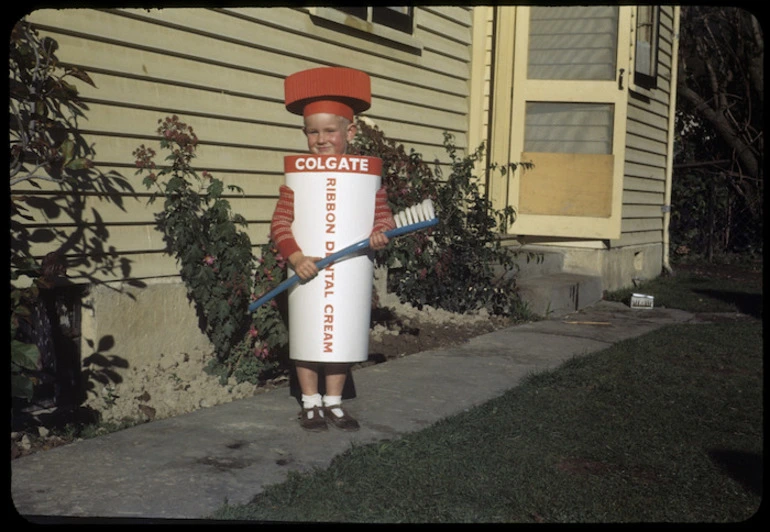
pixel 221 71
pixel 638 253
pixel 483 20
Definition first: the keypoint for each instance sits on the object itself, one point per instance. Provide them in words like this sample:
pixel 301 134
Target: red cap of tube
pixel 336 90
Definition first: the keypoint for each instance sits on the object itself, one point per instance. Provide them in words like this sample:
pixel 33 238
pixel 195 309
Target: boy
pixel 327 98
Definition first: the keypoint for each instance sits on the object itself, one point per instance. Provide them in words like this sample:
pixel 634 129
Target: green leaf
pixel 24 355
pixel 215 188
pixel 68 150
pixel 81 163
pixel 40 108
pixel 174 184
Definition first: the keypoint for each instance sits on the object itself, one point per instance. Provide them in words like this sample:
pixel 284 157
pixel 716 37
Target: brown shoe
pixel 312 419
pixel 344 422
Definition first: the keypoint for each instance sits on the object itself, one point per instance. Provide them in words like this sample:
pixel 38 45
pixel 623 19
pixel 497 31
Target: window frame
pixel 377 32
pixel 647 80
pixel 385 16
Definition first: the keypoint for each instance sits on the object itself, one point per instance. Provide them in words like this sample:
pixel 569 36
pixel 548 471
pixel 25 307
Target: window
pixel 556 127
pixel 572 42
pixel 399 18
pixel 392 27
pixel 646 54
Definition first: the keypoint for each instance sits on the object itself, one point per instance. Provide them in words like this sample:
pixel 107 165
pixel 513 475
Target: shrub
pixel 216 260
pixel 453 266
pixel 44 145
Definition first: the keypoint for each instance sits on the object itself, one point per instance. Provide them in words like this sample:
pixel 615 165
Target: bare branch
pixel 721 124
pixel 30 177
pixel 757 60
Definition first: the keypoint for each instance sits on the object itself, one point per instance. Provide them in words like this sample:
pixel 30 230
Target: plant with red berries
pixel 215 257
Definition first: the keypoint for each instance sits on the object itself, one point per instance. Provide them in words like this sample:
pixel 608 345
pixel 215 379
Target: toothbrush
pixel 415 218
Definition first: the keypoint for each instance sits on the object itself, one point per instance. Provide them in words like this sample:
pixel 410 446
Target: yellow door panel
pixel 566 76
pixel 566 184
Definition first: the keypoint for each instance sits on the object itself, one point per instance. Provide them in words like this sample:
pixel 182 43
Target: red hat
pixel 337 90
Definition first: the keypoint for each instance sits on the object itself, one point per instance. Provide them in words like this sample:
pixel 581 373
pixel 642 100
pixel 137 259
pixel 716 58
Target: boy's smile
pixel 327 133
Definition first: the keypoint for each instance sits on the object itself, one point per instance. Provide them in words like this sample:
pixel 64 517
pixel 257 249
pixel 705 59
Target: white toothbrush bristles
pixel 417 212
pixel 422 212
pixel 427 206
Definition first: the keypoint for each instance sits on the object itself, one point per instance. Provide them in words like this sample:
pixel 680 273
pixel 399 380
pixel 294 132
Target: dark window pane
pixel 359 12
pixel 399 18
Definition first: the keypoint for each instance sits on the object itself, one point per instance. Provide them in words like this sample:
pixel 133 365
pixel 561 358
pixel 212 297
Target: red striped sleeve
pixel 283 217
pixel 280 226
pixel 383 216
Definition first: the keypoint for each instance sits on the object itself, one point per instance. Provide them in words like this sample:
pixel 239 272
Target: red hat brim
pixel 346 86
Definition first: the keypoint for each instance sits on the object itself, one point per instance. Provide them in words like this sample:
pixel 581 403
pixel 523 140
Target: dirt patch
pixel 396 335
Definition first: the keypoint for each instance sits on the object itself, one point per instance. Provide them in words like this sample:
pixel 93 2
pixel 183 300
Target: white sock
pixel 310 401
pixel 332 401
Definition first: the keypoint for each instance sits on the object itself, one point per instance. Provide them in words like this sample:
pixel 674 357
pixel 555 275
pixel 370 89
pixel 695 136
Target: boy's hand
pixel 304 266
pixel 378 241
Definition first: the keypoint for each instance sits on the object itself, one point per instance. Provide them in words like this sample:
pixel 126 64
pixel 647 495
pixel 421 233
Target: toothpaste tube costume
pixel 328 203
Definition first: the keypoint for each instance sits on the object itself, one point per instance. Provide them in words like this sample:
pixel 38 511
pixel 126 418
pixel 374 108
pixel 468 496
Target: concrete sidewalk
pixel 186 467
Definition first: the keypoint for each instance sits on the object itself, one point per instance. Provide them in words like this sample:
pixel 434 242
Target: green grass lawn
pixel 666 427
pixel 697 290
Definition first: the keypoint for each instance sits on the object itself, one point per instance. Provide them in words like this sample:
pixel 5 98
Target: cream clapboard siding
pixel 222 71
pixel 646 149
pixel 488 45
pixel 486 54
pixel 480 84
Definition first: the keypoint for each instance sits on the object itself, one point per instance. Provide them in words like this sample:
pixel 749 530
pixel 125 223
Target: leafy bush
pixel 44 108
pixel 453 266
pixel 44 146
pixel 269 327
pixel 216 260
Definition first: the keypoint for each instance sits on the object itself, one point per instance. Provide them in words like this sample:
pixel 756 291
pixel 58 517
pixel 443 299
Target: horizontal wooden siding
pixel 222 72
pixel 646 142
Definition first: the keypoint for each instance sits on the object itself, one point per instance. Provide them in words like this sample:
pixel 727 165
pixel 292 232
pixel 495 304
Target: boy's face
pixel 328 134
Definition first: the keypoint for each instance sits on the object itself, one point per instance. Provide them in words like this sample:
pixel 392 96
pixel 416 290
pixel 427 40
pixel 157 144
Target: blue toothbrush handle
pixel 329 259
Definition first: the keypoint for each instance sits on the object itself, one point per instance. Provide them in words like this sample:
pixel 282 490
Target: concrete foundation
pixel 624 267
pixel 554 280
pixel 124 327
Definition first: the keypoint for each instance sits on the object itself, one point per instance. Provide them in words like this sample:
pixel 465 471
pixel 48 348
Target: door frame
pixel 511 90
